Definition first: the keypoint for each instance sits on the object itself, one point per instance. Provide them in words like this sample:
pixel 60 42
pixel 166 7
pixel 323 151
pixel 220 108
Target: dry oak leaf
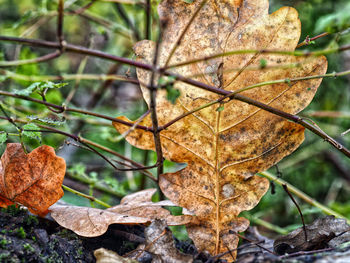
pixel 136 208
pixel 225 149
pixel 33 180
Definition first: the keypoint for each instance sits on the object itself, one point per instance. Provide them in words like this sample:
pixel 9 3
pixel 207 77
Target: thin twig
pixel 91 198
pixel 96 53
pixel 147 173
pixel 153 107
pixel 252 242
pixel 99 186
pixel 308 40
pixel 285 187
pixel 120 9
pixel 34 78
pixel 8 118
pixel 66 109
pixel 60 18
pixel 44 58
pixel 74 137
pixel 303 196
pixel 148 17
pixel 84 8
pixel 301 253
pixel 345 133
pixel 262 51
pixel 294 118
pixel 13 122
pixel 266 107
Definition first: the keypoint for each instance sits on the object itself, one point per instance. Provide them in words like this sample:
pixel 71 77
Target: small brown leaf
pixel 90 222
pixel 136 208
pixel 33 180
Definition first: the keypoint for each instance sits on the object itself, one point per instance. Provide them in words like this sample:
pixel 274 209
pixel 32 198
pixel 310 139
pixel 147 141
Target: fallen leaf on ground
pixel 103 255
pixel 249 252
pixel 319 234
pixel 160 243
pixel 224 147
pixel 33 180
pixel 136 208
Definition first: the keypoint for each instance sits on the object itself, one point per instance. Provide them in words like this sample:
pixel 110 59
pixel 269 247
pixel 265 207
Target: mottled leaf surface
pixel 33 180
pixel 225 148
pixel 160 243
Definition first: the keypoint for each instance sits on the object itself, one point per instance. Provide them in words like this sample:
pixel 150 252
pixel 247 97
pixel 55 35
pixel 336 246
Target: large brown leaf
pixel 33 180
pixel 224 149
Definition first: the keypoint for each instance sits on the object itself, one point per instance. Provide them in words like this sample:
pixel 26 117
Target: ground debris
pixel 26 238
pixel 160 246
pixel 249 252
pixel 319 235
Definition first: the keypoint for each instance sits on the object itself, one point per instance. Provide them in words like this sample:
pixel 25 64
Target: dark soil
pixel 27 238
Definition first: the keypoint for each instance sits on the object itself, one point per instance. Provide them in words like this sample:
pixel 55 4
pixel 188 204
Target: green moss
pixel 7 257
pixel 28 247
pixel 31 220
pixel 13 210
pixel 65 233
pixel 54 258
pixel 3 243
pixel 21 233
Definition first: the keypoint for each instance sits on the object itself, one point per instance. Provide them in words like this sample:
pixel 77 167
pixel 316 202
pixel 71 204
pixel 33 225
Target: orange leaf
pixel 225 148
pixel 33 180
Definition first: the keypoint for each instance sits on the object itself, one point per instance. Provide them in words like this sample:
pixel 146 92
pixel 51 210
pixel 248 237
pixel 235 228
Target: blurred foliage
pixel 114 28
